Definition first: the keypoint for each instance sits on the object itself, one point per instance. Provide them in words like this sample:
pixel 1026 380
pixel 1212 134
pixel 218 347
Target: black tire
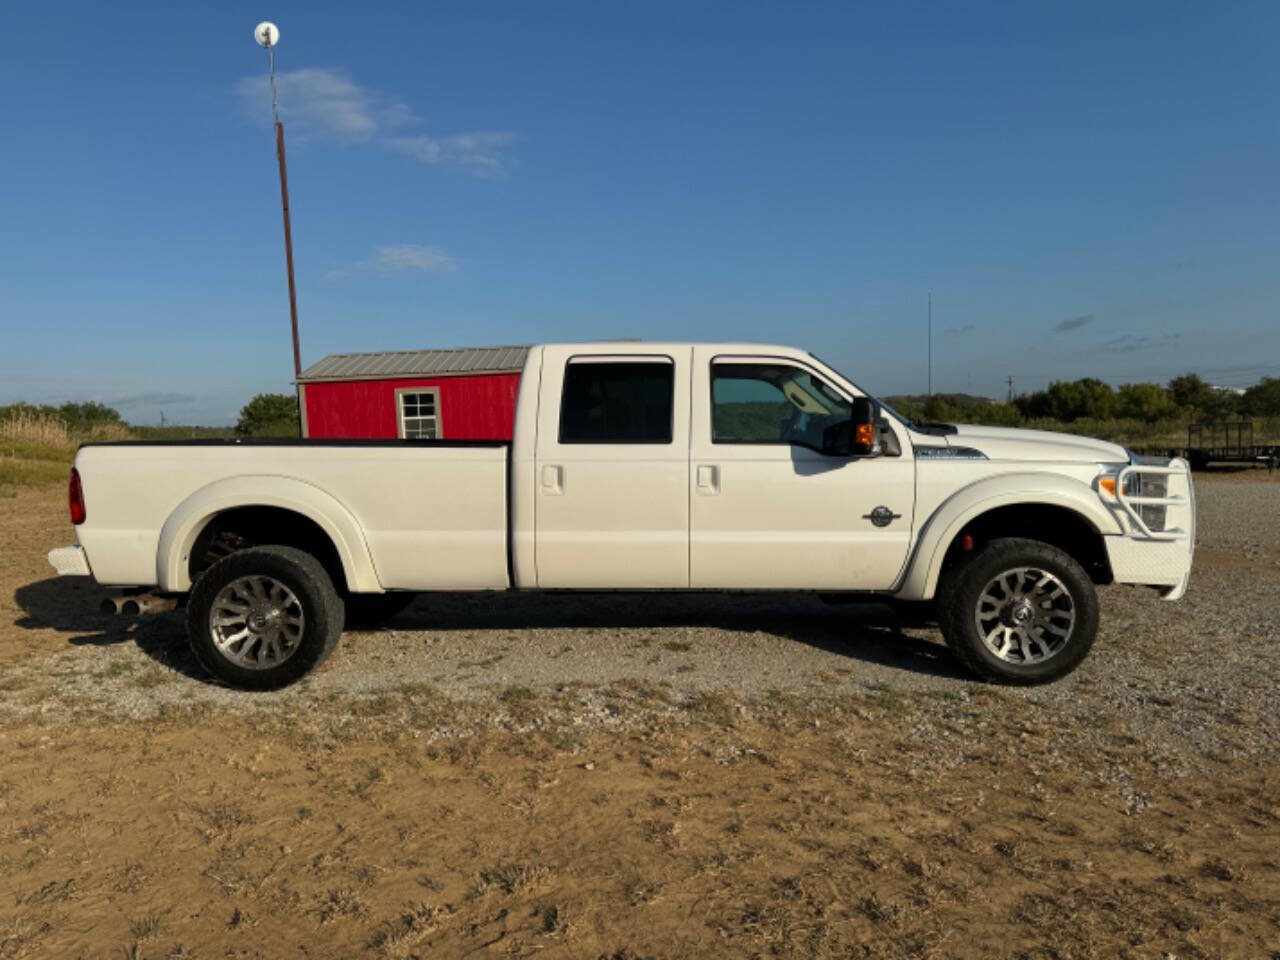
pixel 964 585
pixel 299 572
pixel 366 611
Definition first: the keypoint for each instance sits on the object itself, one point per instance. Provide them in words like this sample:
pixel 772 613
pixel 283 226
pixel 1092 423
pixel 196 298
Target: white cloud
pixel 327 103
pixel 152 399
pixel 409 257
pixel 482 152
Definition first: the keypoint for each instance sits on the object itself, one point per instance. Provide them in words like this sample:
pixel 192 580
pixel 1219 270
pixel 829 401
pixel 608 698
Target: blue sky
pixel 1086 188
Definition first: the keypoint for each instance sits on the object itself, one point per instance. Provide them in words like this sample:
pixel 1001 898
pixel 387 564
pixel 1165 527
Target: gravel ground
pixel 1196 678
pixel 1232 513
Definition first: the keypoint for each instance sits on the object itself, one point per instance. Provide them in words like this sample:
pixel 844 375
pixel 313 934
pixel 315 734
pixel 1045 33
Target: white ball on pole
pixel 267 34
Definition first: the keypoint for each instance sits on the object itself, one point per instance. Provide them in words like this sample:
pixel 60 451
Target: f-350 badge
pixel 881 516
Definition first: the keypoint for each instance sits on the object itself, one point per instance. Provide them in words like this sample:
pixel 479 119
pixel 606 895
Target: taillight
pixel 75 497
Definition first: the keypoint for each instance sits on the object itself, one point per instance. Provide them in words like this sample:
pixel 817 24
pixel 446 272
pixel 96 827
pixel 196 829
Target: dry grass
pixel 25 429
pixel 36 449
pixel 36 430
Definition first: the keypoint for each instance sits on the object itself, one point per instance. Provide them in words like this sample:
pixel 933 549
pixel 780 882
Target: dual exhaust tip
pixel 137 605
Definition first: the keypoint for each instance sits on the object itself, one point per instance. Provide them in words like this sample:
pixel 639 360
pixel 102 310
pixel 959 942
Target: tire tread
pixel 953 616
pixel 315 581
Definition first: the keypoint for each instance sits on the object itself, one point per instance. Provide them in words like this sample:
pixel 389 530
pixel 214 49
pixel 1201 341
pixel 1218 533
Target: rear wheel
pixel 1019 612
pixel 264 617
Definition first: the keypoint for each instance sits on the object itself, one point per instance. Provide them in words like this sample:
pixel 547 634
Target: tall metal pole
pixel 268 36
pixel 929 362
pixel 288 250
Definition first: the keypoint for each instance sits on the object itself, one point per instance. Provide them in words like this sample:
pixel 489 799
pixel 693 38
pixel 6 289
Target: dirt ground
pixel 656 778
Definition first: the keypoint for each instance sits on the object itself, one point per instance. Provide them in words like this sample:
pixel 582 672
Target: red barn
pixel 463 394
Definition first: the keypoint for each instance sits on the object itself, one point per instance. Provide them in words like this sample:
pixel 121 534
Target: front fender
pixel 184 524
pixel 921 577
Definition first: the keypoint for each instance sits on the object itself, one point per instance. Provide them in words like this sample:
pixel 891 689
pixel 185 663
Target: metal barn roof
pixel 416 363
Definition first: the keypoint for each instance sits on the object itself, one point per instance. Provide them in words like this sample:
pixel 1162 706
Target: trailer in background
pixel 1227 442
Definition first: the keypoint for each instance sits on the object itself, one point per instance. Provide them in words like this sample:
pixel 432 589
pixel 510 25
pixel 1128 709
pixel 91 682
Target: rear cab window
pixel 618 401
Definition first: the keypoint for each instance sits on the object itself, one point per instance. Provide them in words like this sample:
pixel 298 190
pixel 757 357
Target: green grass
pixel 23 472
pixel 26 464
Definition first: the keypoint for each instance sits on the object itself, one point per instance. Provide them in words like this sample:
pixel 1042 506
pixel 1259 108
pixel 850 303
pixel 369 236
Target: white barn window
pixel 418 412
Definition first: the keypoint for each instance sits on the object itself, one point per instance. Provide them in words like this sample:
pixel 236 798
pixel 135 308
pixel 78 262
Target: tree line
pixel 1185 398
pixel 1188 397
pixel 77 417
pixel 266 415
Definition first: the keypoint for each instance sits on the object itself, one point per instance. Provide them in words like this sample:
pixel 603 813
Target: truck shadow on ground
pixel 72 605
pixel 869 632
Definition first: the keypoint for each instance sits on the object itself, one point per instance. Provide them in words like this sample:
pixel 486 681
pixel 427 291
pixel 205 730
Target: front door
pixel 612 467
pixel 768 508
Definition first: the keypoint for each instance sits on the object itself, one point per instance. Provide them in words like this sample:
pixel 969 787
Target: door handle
pixel 552 479
pixel 708 479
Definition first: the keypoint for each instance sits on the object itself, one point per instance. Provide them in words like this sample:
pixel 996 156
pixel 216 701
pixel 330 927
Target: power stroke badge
pixel 881 516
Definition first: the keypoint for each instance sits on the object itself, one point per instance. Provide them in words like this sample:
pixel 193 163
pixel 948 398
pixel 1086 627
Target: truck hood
pixel 1008 443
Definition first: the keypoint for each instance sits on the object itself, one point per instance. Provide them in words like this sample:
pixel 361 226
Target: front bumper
pixel 70 561
pixel 1156 558
pixel 1165 564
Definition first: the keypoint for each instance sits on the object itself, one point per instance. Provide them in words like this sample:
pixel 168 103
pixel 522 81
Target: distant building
pixel 1237 391
pixel 462 394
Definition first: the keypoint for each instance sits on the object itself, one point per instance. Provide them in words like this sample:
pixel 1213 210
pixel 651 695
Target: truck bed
pixel 414 514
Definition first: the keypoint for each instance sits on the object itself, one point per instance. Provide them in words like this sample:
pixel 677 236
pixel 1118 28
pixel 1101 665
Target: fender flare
pixel 920 579
pixel 185 523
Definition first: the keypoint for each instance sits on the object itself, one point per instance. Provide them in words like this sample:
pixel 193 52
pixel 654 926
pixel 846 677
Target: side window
pixel 772 403
pixel 617 401
pixel 419 414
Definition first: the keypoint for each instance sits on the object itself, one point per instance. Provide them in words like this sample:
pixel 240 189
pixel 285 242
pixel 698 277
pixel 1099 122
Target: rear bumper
pixel 70 561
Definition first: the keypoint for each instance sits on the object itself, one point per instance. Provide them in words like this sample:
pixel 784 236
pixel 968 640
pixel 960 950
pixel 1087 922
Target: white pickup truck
pixel 641 466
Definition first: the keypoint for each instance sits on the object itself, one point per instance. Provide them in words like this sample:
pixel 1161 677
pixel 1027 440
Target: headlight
pixel 1139 485
pixel 1148 485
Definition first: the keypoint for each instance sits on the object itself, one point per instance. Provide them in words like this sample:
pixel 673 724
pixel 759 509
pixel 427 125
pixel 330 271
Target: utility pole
pixel 268 35
pixel 1010 400
pixel 929 348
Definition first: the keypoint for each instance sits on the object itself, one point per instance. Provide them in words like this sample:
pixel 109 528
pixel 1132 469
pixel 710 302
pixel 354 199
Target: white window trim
pixel 401 392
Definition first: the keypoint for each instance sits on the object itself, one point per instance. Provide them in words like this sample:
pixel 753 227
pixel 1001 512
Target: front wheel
pixel 1019 612
pixel 263 617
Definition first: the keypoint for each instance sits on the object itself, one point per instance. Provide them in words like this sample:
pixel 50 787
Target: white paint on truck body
pixel 691 508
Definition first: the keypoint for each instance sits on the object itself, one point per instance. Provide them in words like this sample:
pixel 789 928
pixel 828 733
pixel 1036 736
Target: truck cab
pixel 711 467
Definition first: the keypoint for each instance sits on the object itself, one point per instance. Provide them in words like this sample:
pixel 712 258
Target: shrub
pixel 270 415
pixel 1263 398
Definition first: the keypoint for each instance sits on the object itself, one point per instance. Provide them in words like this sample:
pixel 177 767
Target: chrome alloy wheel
pixel 1025 615
pixel 256 622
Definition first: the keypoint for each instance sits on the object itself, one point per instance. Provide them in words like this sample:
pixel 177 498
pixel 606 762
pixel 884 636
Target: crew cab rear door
pixel 769 509
pixel 611 468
